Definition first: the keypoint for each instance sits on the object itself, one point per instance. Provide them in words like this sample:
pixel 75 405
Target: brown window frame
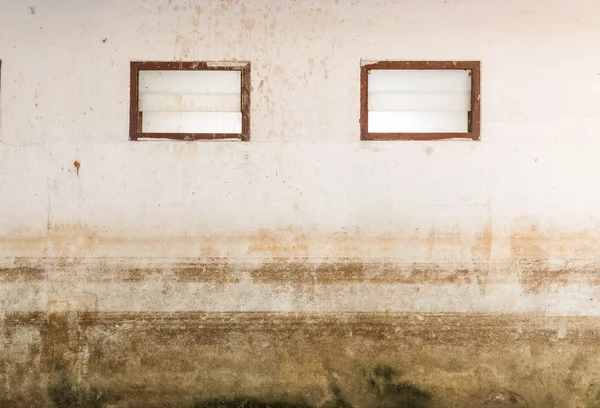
pixel 135 116
pixel 474 132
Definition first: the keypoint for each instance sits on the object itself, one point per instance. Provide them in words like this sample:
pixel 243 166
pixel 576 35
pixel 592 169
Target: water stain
pixel 66 392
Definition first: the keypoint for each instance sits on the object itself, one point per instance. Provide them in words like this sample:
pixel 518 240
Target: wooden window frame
pixel 474 123
pixel 135 116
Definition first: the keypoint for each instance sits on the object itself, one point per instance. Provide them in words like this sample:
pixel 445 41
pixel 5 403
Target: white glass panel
pixel 152 102
pixel 427 80
pixel 190 82
pixel 418 122
pixel 419 101
pixel 192 122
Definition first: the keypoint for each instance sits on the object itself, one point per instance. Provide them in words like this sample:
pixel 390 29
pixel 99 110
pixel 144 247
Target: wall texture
pixel 304 267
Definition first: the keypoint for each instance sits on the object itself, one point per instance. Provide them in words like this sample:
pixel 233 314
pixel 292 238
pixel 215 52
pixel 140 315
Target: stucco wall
pixel 303 218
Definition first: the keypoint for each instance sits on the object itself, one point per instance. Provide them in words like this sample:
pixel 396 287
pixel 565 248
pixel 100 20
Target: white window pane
pixel 427 80
pixel 418 122
pixel 190 82
pixel 419 101
pixel 153 102
pixel 192 122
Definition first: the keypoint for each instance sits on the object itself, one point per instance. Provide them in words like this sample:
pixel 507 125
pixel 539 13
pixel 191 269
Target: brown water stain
pixel 548 259
pixel 22 274
pixel 166 359
pixel 351 270
pixel 210 271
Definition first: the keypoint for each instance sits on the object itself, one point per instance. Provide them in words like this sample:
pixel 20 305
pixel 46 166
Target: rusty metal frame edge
pixel 246 92
pixel 474 132
pixel 246 86
pixel 133 101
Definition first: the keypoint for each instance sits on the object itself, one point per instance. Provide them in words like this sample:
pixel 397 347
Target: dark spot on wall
pixel 62 390
pixel 104 40
pixel 77 166
pixel 404 394
pixel 336 403
pixel 11 403
pixel 390 393
pixel 31 10
pixel 66 392
pixel 385 372
pixel 338 400
pixel 249 403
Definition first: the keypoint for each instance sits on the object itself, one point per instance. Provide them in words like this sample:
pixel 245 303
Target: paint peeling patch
pixel 226 64
pixel 364 63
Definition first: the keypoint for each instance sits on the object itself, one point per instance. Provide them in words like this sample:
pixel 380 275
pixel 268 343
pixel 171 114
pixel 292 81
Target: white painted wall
pixel 305 185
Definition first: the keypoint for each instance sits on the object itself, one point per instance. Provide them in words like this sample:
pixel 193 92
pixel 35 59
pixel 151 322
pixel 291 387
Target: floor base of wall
pixel 256 360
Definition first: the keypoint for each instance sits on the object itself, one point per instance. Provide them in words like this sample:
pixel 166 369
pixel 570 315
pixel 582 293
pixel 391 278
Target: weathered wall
pixel 304 218
pixel 298 361
pixel 511 215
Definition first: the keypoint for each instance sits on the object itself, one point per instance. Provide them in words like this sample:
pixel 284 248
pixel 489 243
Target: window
pixel 420 100
pixel 190 100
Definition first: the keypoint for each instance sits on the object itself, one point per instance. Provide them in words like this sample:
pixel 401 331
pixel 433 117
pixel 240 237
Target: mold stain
pixel 83 358
pixel 393 393
pixel 65 392
pixel 61 391
pixel 248 403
